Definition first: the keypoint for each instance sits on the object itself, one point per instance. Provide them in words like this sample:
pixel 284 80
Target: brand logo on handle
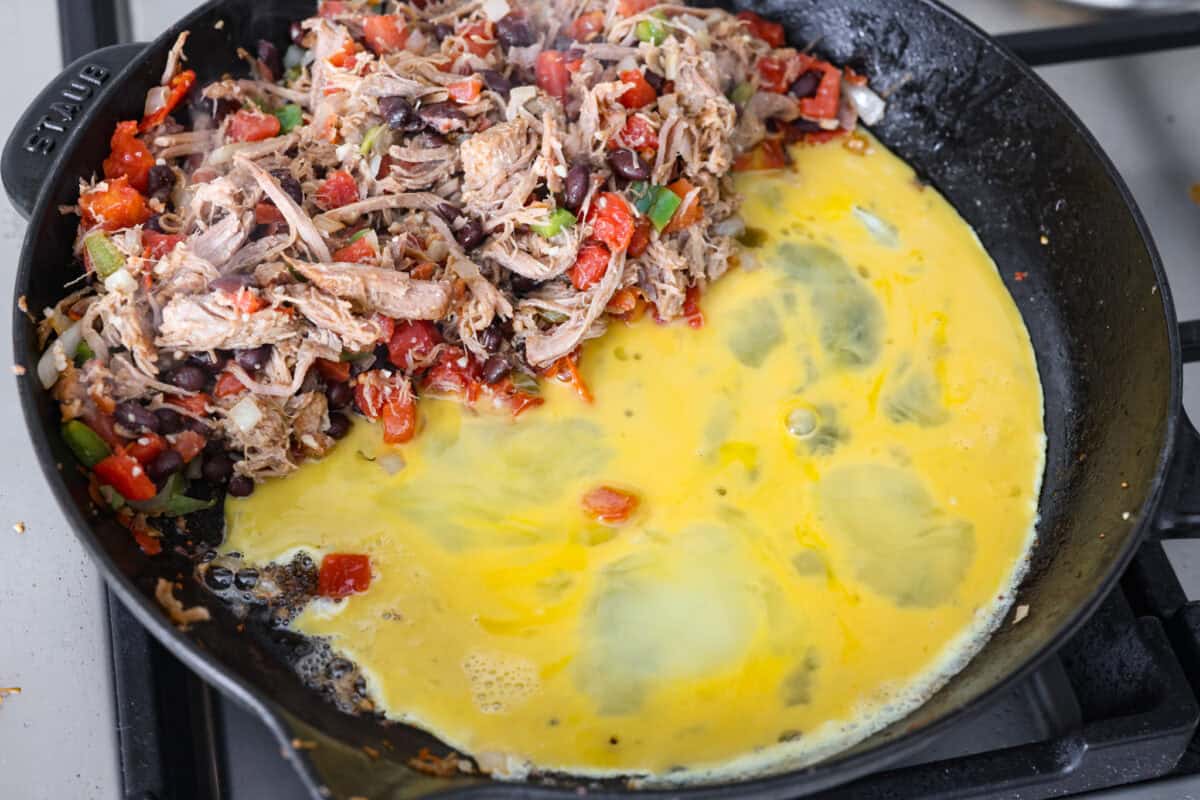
pixel 66 108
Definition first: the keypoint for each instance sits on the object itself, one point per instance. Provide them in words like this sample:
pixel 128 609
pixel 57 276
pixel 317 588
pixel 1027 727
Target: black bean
pixel 339 394
pixel 312 382
pixel 442 30
pixel 399 114
pixel 629 165
pixel 161 180
pixel 169 421
pixel 795 130
pixel 222 108
pixel 495 368
pixel 448 211
pixel 214 446
pixel 513 30
pixel 428 140
pixel 153 224
pixel 360 365
pixel 562 41
pixel 254 358
pixel 241 486
pixel 470 235
pixel 339 425
pixel 443 117
pixel 217 468
pixel 218 577
pixel 655 80
pixel 189 377
pixel 164 465
pixel 246 579
pixel 289 184
pixel 198 426
pixel 576 185
pixel 269 55
pixel 491 337
pixel 136 417
pixel 806 85
pixel 296 33
pixel 496 82
pixel 209 362
pixel 231 282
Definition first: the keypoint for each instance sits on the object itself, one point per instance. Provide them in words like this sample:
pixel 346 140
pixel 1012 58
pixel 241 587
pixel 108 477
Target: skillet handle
pixel 48 130
pixel 1179 514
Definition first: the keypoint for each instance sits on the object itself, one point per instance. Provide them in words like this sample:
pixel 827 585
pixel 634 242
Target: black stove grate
pixel 1117 705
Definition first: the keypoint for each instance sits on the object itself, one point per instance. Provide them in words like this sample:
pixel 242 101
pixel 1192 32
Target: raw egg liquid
pixel 837 480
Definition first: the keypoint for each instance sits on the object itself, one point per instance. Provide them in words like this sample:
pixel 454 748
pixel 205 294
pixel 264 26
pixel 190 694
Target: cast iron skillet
pixel 974 121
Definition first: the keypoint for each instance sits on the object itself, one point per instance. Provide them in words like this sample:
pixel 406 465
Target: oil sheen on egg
pixel 838 477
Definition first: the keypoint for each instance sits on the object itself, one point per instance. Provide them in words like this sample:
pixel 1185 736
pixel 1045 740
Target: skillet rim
pixel 836 770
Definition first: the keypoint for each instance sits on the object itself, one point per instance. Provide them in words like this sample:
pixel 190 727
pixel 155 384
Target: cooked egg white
pixel 837 476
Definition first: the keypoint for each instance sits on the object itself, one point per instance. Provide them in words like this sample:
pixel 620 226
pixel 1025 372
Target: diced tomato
pixel 523 401
pixel 188 444
pixel 129 157
pixel 465 91
pixel 150 544
pixel 820 137
pixel 228 385
pixel 251 126
pixel 479 38
pixel 387 398
pixel 624 301
pixel 611 219
pixel 566 370
pixel 126 475
pixel 551 73
pixel 776 74
pixel 118 206
pixel 359 252
pixel 609 505
pixel 334 371
pixel 399 418
pixel 266 213
pixel 343 574
pixel 767 154
pixel 177 89
pixel 590 265
pixel 195 403
pixel 638 134
pixel 333 8
pixel 824 104
pixel 156 245
pixel 691 308
pixel 346 58
pixel 454 372
pixel 387 327
pixel 248 301
pixel 641 237
pixel 385 33
pixel 769 32
pixel 338 190
pixel 412 342
pixel 146 447
pixel 687 213
pixel 627 8
pixel 586 27
pixel 638 95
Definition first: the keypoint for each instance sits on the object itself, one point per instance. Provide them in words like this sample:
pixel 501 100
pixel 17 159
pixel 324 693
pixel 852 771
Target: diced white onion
pixel 627 63
pixel 870 106
pixel 734 226
pixel 391 463
pixel 495 9
pixel 517 99
pixel 881 230
pixel 121 281
pixel 156 98
pixel 416 42
pixel 374 164
pixel 344 151
pixel 294 56
pixel 54 359
pixel 245 414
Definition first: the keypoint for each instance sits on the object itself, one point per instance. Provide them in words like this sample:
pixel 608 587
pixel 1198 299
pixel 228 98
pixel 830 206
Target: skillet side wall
pixel 968 120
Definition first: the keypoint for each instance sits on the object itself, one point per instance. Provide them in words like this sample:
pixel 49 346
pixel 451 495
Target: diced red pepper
pixel 126 475
pixel 387 326
pixel 195 403
pixel 228 385
pixel 358 252
pixel 767 154
pixel 454 372
pixel 824 104
pixel 641 237
pixel 412 342
pixel 523 401
pixel 385 33
pixel 638 95
pixel 586 27
pixel 609 505
pixel 343 574
pixel 388 399
pixel 465 91
pixel 590 265
pixel 177 89
pixel 627 8
pixel 248 301
pixel 266 213
pixel 188 444
pixel 624 301
pixel 685 215
pixel 479 38
pixel 346 58
pixel 691 308
pixel 334 371
pixel 769 32
pixel 776 74
pixel 118 206
pixel 338 190
pixel 611 219
pixel 251 126
pixel 638 134
pixel 150 544
pixel 130 157
pixel 399 419
pixel 156 245
pixel 550 72
pixel 566 370
pixel 146 447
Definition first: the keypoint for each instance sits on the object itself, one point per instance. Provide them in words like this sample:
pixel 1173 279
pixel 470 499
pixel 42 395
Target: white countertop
pixel 57 739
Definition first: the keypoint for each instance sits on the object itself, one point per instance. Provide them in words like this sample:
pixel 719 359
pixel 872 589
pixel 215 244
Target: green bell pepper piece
pixel 559 219
pixel 642 194
pixel 104 255
pixel 741 94
pixel 368 142
pixel 290 116
pixel 84 352
pixel 663 207
pixel 359 235
pixel 650 31
pixel 85 443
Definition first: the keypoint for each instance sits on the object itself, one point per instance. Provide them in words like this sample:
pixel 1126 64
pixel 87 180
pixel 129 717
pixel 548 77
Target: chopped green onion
pixel 115 501
pixel 553 317
pixel 359 235
pixel 523 382
pixel 290 116
pixel 171 500
pixel 663 208
pixel 559 219
pixel 368 142
pixel 642 195
pixel 84 352
pixel 650 31
pixel 741 94
pixel 104 255
pixel 85 443
pixel 179 504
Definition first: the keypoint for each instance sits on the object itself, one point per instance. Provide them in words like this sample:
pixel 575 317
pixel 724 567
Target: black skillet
pixel 970 118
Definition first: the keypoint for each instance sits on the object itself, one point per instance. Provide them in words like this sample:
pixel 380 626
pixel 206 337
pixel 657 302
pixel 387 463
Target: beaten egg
pixel 837 479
